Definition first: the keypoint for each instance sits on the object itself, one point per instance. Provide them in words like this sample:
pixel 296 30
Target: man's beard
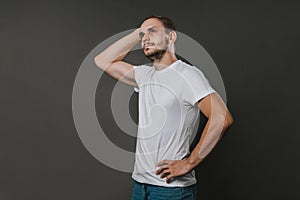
pixel 156 55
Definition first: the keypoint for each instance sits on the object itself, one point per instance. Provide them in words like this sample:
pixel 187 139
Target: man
pixel 171 93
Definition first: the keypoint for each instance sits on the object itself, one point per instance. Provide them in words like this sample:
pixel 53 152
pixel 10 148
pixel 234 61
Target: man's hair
pixel 167 22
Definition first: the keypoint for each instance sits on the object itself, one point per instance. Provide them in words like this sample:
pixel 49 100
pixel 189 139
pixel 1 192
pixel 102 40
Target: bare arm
pixel 219 120
pixel 110 60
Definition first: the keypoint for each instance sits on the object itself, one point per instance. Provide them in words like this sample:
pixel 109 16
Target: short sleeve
pixel 136 77
pixel 196 86
pixel 140 72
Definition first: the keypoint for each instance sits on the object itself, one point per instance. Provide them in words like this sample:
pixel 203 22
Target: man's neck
pixel 165 61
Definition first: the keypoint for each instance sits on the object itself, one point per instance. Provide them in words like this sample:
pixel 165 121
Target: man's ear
pixel 172 36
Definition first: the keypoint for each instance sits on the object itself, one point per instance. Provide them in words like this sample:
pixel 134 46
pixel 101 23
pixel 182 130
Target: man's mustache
pixel 148 44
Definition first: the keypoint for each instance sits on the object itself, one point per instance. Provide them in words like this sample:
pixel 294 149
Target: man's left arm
pixel 219 120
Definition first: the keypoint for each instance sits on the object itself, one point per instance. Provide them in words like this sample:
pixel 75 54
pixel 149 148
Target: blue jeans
pixel 142 191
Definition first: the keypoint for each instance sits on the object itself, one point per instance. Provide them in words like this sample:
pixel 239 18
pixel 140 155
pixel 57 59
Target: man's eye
pixel 152 30
pixel 141 35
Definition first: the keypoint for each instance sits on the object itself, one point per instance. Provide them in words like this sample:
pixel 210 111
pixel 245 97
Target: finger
pixel 165 174
pixel 163 162
pixel 162 168
pixel 169 177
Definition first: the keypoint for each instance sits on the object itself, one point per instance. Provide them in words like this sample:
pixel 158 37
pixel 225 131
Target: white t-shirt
pixel 167 114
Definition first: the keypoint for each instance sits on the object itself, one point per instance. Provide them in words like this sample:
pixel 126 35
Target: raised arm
pixel 110 60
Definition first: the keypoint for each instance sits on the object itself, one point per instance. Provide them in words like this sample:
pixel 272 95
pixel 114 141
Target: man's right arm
pixel 110 60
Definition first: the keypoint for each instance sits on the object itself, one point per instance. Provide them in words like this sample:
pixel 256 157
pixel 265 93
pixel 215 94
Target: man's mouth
pixel 147 46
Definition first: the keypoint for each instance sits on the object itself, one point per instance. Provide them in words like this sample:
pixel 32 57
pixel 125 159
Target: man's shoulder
pixel 186 68
pixel 142 68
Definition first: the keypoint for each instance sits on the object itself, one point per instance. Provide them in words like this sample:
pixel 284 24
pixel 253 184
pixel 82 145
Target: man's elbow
pixel 100 62
pixel 225 120
pixel 229 120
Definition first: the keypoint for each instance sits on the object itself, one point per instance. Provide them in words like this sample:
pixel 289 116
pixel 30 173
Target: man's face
pixel 154 39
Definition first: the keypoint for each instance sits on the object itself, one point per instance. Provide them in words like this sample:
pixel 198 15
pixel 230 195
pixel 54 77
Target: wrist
pixel 188 165
pixel 136 33
pixel 193 162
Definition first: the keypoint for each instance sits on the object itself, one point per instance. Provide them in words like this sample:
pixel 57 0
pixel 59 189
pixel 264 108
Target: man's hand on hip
pixel 173 168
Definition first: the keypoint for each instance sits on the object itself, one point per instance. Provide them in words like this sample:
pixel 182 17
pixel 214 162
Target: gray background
pixel 42 44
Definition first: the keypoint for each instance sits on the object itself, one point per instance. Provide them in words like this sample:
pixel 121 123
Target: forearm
pixel 117 51
pixel 212 133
